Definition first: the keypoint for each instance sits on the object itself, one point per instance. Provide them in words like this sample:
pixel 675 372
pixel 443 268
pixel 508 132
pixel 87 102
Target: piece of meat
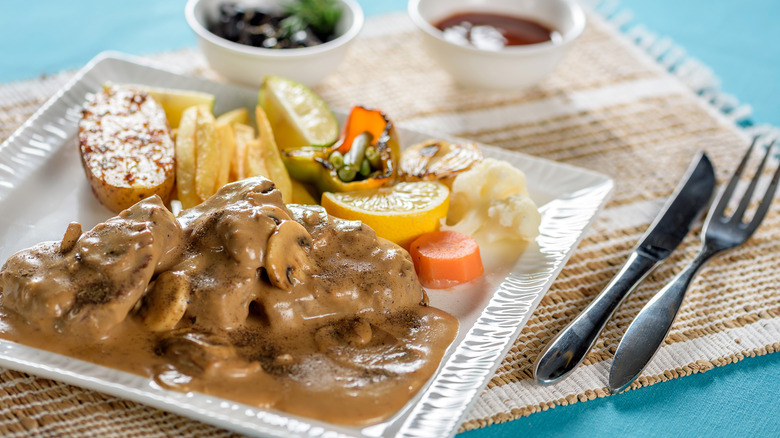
pixel 90 286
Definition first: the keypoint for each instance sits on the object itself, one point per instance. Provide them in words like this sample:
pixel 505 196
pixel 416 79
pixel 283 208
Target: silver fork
pixel 649 329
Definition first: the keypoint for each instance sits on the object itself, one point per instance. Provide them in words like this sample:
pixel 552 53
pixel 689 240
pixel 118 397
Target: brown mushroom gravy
pixel 242 297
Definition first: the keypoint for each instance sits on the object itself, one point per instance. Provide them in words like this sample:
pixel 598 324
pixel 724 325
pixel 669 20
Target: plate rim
pixel 425 413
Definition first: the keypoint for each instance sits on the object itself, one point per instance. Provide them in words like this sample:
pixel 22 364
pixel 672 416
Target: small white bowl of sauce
pixel 498 44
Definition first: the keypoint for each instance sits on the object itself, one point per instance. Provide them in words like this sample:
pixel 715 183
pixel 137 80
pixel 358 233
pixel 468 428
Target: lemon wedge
pixel 399 213
pixel 298 116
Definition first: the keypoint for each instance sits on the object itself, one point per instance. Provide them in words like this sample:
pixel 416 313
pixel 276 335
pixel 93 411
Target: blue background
pixel 740 41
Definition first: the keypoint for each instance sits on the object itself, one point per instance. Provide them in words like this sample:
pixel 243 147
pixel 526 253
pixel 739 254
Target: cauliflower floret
pixel 490 202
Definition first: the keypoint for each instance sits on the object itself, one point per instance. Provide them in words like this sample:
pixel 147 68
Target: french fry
pixel 255 161
pixel 207 163
pixel 238 164
pixel 238 115
pixel 227 144
pixel 186 158
pixel 273 158
pixel 244 134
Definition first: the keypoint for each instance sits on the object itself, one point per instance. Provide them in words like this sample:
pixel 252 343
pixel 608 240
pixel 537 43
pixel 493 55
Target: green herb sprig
pixel 321 15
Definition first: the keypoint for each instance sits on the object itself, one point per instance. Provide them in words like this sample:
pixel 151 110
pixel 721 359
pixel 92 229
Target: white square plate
pixel 43 188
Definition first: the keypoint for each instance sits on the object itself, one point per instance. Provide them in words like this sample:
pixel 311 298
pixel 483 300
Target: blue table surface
pixel 738 40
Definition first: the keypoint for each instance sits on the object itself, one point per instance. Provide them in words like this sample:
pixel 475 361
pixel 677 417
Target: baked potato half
pixel 126 147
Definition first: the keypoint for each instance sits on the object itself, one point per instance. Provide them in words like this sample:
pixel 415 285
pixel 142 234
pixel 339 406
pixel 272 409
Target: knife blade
pixel 569 347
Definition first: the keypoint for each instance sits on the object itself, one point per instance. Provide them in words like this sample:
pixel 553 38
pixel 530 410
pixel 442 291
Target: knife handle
pixel 648 330
pixel 570 346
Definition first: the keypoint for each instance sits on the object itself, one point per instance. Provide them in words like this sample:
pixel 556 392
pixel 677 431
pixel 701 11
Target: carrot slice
pixel 445 259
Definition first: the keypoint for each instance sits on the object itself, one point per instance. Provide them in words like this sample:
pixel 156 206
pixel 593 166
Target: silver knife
pixel 570 346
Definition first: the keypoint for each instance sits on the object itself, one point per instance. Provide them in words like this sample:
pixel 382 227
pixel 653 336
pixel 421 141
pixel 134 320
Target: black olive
pixel 256 39
pixel 230 32
pixel 257 18
pixel 239 13
pixel 276 19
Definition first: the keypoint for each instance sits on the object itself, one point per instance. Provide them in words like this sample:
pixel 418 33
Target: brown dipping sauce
pixel 493 31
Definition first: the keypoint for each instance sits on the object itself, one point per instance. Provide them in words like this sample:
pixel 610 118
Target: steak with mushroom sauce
pixel 241 297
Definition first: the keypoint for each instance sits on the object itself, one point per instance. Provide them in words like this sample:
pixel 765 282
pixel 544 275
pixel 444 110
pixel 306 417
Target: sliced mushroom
pixel 287 258
pixel 355 332
pixel 194 352
pixel 164 305
pixel 311 216
pixel 72 235
pixel 245 236
pixel 361 333
pixel 326 338
pixel 438 160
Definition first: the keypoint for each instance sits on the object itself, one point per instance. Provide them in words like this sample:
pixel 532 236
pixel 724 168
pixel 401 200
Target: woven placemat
pixel 635 110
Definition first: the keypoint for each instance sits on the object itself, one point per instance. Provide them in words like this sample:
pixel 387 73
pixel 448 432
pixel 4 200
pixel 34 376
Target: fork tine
pixel 745 201
pixel 763 207
pixel 729 190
